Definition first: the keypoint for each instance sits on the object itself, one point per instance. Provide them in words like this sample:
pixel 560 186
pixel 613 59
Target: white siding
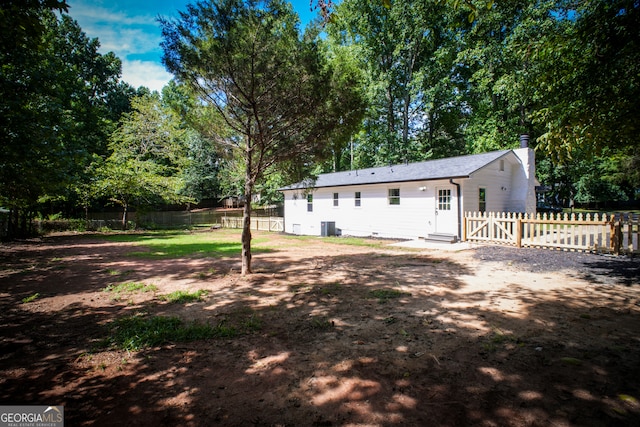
pixel 504 188
pixel 497 184
pixel 509 188
pixel 411 219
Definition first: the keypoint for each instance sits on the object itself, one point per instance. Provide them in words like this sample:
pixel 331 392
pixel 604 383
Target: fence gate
pixel 491 227
pixel 276 224
pixel 273 223
pixel 583 232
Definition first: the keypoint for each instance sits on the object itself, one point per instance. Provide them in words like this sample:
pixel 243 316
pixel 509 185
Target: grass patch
pixel 297 288
pixel 330 289
pixel 180 244
pixel 350 241
pixel 570 361
pixel 30 298
pixel 128 288
pixel 499 339
pixel 357 241
pixel 138 332
pixel 384 295
pixel 183 297
pixel 115 272
pixel 251 324
pixel 321 324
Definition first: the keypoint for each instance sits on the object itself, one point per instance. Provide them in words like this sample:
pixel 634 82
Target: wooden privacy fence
pixel 619 233
pixel 177 218
pixel 272 223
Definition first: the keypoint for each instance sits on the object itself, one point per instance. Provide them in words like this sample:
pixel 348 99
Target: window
pixel 501 165
pixel 358 198
pixel 444 199
pixel 394 196
pixel 335 199
pixel 482 199
pixel 309 202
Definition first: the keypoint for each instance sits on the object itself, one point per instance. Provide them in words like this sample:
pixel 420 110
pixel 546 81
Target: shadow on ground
pixel 339 337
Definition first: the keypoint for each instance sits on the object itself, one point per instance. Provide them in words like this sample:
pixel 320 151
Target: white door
pixel 446 211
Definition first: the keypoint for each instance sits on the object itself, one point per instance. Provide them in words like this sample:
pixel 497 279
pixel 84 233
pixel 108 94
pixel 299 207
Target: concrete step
pixel 441 237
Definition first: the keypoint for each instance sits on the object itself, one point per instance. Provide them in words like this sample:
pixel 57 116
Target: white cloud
pixel 145 73
pixel 101 15
pixel 117 32
pixel 130 36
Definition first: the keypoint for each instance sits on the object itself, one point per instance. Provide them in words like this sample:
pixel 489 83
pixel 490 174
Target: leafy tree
pixel 55 105
pixel 590 180
pixel 147 159
pixel 562 71
pixel 247 61
pixel 201 174
pixel 588 77
pixel 22 129
pixel 500 95
pixel 408 49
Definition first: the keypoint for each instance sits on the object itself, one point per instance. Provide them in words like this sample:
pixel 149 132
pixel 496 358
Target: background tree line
pixel 377 83
pixel 448 77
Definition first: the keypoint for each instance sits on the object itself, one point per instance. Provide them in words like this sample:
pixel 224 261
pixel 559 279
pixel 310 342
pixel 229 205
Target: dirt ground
pixel 488 336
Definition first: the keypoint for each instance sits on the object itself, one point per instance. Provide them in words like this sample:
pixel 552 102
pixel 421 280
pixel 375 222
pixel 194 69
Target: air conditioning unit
pixel 327 228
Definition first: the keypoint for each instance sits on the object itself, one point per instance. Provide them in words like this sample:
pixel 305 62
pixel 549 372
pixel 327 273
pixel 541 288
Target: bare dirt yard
pixel 323 334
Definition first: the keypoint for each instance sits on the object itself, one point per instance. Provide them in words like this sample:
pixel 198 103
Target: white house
pixel 410 201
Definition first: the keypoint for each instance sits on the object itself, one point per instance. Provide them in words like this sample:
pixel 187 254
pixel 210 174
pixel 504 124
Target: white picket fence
pixel 257 223
pixel 619 233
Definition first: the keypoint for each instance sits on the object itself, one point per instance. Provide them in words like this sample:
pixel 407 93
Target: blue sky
pixel 129 29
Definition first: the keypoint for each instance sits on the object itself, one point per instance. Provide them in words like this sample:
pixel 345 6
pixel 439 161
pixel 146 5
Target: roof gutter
pixel 398 181
pixel 459 205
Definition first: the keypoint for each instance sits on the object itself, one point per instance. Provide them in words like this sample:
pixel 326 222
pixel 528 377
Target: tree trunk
pixel 391 122
pixel 125 213
pixel 405 125
pixel 246 215
pixel 430 120
pixel 246 238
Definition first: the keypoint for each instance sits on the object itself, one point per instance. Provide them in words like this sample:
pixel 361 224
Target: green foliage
pixel 588 79
pixel 321 324
pixel 257 104
pixel 384 295
pixel 201 174
pixel 137 332
pixel 128 288
pixel 31 298
pixel 180 244
pixel 57 225
pixel 183 297
pixel 148 156
pixel 278 97
pixel 59 99
pixel 591 180
pixel 408 51
pixel 593 187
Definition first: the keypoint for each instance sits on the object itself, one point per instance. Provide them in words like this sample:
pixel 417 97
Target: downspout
pixel 459 206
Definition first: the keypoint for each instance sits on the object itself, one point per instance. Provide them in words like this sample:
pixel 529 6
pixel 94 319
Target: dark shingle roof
pixel 452 167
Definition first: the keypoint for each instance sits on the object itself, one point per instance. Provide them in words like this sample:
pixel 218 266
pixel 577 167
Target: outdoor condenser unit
pixel 327 228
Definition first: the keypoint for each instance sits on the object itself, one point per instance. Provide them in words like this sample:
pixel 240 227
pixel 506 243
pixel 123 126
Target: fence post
pixel 490 226
pixel 518 230
pixel 614 235
pixel 464 227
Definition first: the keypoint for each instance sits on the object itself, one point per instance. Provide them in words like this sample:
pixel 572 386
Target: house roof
pixel 452 167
